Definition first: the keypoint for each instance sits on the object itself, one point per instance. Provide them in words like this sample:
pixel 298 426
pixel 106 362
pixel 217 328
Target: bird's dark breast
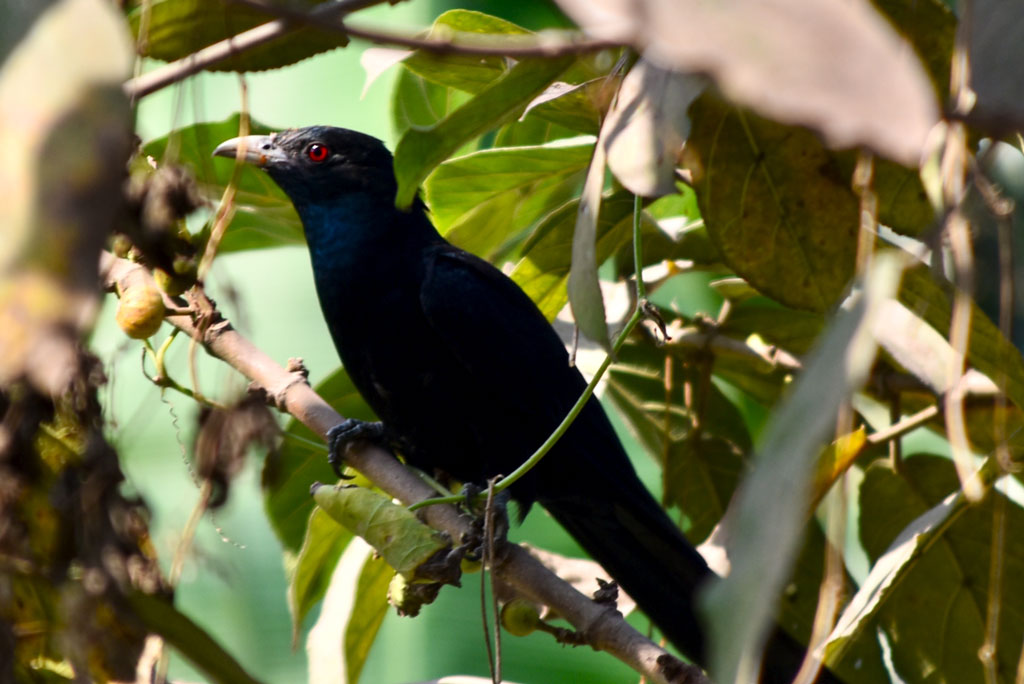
pixel 412 380
pixel 424 394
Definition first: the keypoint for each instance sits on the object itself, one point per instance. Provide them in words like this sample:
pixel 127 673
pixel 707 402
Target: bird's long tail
pixel 628 533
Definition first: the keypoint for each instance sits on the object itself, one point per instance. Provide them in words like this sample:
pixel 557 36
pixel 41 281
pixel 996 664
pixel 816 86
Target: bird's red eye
pixel 317 152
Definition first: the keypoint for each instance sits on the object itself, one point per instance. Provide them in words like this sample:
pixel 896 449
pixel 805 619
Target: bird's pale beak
pixel 260 150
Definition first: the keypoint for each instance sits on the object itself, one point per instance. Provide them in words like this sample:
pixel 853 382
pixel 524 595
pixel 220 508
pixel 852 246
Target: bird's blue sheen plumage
pixel 461 365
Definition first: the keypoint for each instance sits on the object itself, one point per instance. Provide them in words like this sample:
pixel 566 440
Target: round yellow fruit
pixel 140 311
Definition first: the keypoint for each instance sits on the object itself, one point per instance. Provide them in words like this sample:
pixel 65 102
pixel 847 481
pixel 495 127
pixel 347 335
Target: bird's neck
pixel 359 245
pixel 347 231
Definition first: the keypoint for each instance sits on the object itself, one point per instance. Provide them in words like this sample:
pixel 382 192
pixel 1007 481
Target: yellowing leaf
pixel 834 460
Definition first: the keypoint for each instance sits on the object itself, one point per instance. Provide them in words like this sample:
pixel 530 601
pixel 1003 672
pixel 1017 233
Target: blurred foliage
pixel 174 29
pixel 501 147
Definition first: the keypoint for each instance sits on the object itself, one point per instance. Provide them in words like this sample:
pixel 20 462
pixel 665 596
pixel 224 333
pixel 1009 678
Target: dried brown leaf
pixel 833 65
pixel 647 125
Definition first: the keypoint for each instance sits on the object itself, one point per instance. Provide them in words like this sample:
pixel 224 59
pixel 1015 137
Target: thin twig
pixel 895 445
pixel 638 263
pixel 833 579
pixel 231 47
pixel 516 46
pixel 954 173
pixel 226 208
pixel 489 519
pixel 1002 210
pixel 904 426
pixel 988 651
pixel 864 186
pixel 483 591
pixel 163 379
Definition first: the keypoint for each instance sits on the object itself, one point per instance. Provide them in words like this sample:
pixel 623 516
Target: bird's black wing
pixel 588 483
pixel 514 358
pixel 494 329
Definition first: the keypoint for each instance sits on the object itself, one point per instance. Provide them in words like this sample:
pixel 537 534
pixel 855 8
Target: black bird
pixel 464 370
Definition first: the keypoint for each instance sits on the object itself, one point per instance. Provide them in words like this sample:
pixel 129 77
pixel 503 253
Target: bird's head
pixel 320 163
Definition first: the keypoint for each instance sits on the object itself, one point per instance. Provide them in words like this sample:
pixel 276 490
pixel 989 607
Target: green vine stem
pixel 534 459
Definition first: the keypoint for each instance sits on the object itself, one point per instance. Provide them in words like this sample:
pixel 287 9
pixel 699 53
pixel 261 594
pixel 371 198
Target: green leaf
pixel 402 539
pixel 470 73
pixel 735 289
pixel 700 477
pixel 35 599
pixel 371 605
pixel 460 184
pixel 191 640
pixel 584 287
pixel 680 205
pixel 701 466
pixel 322 547
pixel 576 107
pixel 492 229
pixel 302 460
pixel 916 338
pixel 482 200
pixel 935 615
pixel 264 216
pixel 530 130
pixel 782 214
pixel 655 406
pixel 980 421
pixel 418 103
pixel 177 28
pixel 903 204
pixel 49 672
pixel 765 386
pixel 691 245
pixel 902 201
pixel 419 150
pixel 789 329
pixel 543 270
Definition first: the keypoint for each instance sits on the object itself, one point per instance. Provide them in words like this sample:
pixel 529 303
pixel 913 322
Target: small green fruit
pixel 470 565
pixel 519 617
pixel 171 284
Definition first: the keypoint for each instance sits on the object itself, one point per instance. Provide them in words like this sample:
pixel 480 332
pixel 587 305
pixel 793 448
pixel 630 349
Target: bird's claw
pixel 475 541
pixel 471 497
pixel 345 433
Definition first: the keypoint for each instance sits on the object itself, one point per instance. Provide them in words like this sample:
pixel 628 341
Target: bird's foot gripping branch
pixel 352 431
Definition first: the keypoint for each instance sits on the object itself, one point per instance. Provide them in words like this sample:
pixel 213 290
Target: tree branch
pixel 603 628
pixel 230 47
pixel 329 17
pixel 908 424
pixel 512 45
